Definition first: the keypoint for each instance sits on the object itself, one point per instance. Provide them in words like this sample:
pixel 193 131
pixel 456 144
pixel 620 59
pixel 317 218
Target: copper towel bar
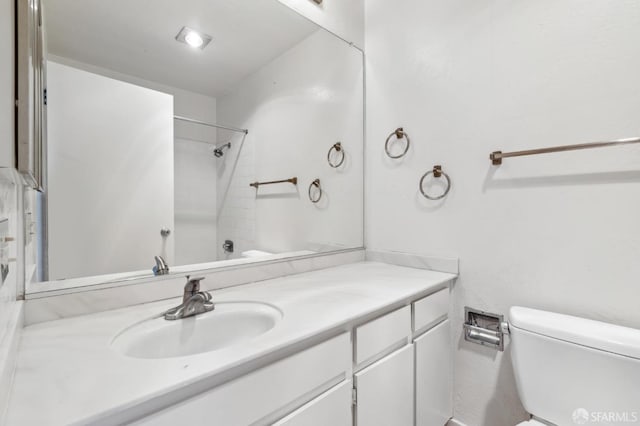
pixel 497 156
pixel 293 180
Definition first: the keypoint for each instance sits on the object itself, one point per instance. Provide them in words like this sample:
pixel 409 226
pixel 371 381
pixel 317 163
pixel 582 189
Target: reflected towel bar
pixel 293 180
pixel 203 123
pixel 497 156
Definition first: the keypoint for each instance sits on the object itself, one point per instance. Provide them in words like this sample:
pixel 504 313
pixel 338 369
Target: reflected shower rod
pixel 204 123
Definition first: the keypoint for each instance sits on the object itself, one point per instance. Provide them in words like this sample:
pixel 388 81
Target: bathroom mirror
pixel 166 124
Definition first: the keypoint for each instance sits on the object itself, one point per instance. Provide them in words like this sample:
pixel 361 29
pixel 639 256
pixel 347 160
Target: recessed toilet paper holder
pixel 485 328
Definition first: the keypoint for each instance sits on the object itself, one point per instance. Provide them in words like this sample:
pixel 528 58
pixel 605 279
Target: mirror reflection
pixel 181 134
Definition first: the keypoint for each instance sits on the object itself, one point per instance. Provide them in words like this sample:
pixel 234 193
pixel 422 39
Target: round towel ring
pixel 337 147
pixel 399 133
pixel 316 184
pixel 436 172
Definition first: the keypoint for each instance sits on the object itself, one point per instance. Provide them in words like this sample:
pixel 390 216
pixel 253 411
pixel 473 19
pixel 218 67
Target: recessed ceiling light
pixel 193 38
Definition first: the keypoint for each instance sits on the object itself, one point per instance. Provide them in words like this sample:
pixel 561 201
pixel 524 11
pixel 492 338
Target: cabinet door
pixel 434 376
pixel 331 408
pixel 385 391
pixel 258 397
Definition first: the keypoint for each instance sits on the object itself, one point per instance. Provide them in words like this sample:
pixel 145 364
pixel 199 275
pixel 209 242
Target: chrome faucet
pixel 161 268
pixel 194 301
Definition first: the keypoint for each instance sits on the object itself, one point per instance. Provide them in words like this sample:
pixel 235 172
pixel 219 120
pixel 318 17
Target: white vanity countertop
pixel 68 373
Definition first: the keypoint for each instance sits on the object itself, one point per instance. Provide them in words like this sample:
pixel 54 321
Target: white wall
pixel 110 174
pixel 557 232
pixel 7 91
pixel 295 108
pixel 10 309
pixel 194 233
pixel 344 18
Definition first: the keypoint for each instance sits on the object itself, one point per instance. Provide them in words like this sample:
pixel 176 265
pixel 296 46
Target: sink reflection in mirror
pixel 230 324
pixel 152 143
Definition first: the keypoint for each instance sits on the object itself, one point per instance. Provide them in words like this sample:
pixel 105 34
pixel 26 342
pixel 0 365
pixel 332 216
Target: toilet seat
pixel 532 422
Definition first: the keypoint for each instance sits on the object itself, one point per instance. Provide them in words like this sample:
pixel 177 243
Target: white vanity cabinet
pixel 393 370
pixel 267 394
pixel 434 373
pixel 433 359
pixel 331 408
pixel 385 391
pixel 412 383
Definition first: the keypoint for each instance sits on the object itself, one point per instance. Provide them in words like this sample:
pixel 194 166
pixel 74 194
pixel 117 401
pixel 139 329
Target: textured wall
pixel 295 108
pixel 344 18
pixel 557 232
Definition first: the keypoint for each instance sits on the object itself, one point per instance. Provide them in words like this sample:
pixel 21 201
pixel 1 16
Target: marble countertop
pixel 137 276
pixel 67 372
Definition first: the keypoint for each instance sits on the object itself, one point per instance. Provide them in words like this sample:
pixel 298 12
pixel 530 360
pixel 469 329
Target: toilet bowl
pixel 532 422
pixel 574 371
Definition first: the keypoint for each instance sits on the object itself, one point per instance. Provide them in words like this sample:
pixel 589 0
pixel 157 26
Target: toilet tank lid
pixel 595 334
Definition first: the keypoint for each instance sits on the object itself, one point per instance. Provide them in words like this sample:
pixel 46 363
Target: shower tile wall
pixel 195 180
pixel 236 199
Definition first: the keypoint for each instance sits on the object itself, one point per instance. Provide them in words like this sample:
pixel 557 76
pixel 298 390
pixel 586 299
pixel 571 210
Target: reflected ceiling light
pixel 193 38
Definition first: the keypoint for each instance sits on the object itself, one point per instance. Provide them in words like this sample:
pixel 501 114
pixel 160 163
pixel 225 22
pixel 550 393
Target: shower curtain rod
pixel 203 123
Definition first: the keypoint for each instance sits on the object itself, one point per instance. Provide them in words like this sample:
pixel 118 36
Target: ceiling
pixel 137 37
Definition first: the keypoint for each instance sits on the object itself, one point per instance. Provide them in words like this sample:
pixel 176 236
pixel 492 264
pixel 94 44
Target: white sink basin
pixel 229 324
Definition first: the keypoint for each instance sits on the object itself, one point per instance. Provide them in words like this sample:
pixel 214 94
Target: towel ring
pixel 315 183
pixel 337 147
pixel 399 134
pixel 437 173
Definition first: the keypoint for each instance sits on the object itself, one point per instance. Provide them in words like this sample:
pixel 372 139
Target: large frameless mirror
pixel 184 134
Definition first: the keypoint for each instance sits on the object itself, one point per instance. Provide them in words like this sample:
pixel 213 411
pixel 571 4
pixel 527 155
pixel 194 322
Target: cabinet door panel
pixel 434 376
pixel 385 391
pixel 374 337
pixel 253 398
pixel 331 408
pixel 430 310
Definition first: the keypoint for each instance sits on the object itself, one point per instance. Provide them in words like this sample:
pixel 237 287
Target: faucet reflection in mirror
pixel 161 267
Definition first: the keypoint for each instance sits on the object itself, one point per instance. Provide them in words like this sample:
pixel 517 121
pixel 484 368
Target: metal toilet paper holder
pixel 485 328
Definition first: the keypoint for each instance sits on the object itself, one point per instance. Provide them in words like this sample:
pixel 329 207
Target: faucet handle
pixel 193 285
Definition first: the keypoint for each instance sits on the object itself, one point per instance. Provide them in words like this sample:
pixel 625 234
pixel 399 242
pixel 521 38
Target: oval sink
pixel 229 324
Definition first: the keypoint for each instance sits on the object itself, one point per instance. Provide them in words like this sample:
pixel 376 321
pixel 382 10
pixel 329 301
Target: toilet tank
pixel 571 370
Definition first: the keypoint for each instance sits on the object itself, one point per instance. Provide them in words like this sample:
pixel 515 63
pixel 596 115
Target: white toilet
pixel 574 371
